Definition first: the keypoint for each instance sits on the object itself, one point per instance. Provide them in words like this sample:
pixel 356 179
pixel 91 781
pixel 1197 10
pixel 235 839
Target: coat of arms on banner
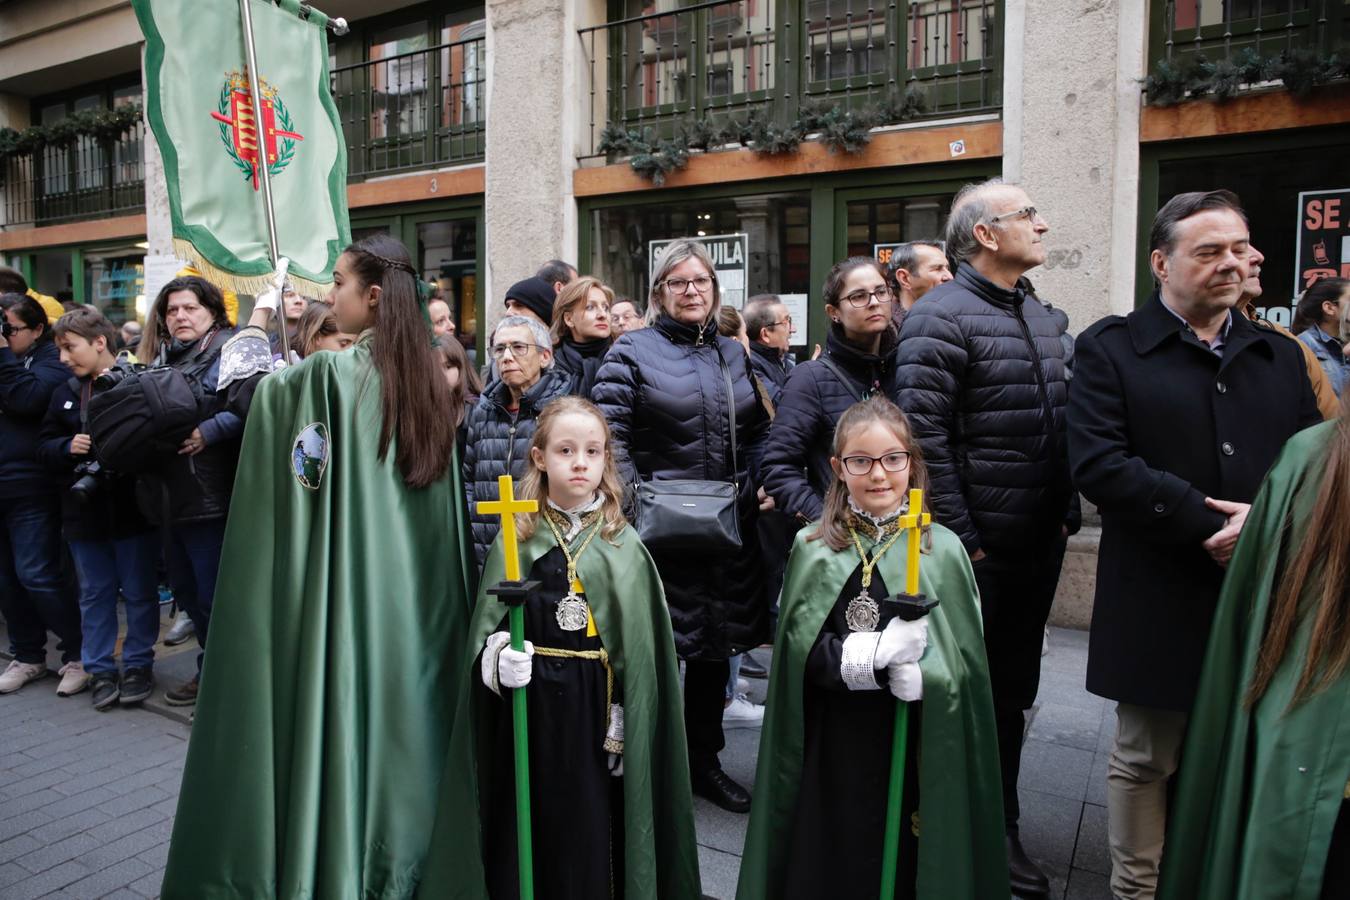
pixel 239 127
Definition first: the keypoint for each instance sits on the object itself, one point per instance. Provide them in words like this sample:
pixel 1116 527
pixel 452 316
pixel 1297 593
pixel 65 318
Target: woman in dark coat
pixel 663 392
pixel 858 362
pixel 581 331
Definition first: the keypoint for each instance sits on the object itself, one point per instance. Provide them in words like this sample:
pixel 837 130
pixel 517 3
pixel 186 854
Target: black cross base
pixel 513 593
pixel 911 606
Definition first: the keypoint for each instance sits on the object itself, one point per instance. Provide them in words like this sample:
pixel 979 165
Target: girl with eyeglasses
pixel 842 662
pixel 858 362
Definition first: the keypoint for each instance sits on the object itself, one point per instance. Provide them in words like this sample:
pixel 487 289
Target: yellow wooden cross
pixel 506 506
pixel 915 520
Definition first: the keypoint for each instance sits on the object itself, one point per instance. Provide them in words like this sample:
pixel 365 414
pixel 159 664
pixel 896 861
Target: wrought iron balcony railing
pixel 715 60
pixel 1181 30
pixel 414 110
pixel 84 180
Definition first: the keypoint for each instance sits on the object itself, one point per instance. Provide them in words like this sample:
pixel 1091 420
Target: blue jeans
pixel 193 563
pixel 34 598
pixel 105 568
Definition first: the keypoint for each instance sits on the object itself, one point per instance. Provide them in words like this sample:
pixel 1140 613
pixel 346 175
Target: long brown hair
pixel 535 483
pixel 835 516
pixel 450 354
pixel 413 394
pixel 572 297
pixel 1320 569
pixel 317 321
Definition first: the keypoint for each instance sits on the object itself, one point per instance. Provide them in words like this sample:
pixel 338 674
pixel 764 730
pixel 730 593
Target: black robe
pixel 578 842
pixel 841 808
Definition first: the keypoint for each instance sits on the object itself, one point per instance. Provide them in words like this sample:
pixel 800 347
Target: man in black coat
pixel 981 374
pixel 1175 414
pixel 770 329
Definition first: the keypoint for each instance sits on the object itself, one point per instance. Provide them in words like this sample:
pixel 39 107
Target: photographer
pixel 188 492
pixel 113 546
pixel 33 596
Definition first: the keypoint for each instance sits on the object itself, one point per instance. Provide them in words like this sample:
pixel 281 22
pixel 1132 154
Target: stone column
pixel 535 125
pixel 160 263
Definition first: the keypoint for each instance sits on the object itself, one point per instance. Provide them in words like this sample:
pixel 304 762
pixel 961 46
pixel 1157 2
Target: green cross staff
pixel 911 605
pixel 513 592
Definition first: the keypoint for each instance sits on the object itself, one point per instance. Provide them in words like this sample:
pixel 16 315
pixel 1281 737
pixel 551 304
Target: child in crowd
pixel 841 664
pixel 465 385
pixel 600 672
pixel 317 329
pixel 115 550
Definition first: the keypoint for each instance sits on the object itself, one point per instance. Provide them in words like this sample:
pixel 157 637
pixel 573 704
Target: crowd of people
pixel 703 492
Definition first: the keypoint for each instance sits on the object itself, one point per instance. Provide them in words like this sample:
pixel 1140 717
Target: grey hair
pixel 759 313
pixel 906 256
pixel 679 251
pixel 537 329
pixel 970 207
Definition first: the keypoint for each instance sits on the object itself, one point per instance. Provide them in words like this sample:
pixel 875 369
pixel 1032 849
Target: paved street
pixel 87 799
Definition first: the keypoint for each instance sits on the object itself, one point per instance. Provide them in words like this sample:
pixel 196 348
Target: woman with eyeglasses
pixel 664 391
pixel 33 595
pixel 581 331
pixel 858 362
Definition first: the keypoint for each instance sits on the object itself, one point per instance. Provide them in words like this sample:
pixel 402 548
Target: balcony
pixel 87 179
pixel 414 110
pixel 1186 32
pixel 718 61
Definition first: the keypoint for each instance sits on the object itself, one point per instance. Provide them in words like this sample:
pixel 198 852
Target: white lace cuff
pixel 246 354
pixel 856 666
pixel 614 734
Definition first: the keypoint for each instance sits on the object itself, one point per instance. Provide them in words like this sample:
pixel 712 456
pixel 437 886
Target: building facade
pixel 490 138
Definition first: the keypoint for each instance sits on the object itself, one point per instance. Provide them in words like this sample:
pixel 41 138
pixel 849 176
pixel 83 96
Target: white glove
pixel 504 667
pixel 901 642
pixel 906 681
pixel 271 299
pixel 616 765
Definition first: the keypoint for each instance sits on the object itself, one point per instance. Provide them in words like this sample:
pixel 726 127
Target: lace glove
pixel 614 740
pixel 906 681
pixel 901 642
pixel 504 667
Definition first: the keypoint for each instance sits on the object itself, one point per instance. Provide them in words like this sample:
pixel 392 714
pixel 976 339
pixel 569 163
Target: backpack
pixel 147 414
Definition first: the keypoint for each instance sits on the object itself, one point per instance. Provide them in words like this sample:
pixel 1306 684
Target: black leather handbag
pixel 693 515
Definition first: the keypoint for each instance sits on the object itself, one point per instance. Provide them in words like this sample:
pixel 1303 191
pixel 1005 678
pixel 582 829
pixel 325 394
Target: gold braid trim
pixel 602 656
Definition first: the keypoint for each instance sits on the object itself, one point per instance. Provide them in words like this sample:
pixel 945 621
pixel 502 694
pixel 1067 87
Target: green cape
pixel 1260 789
pixel 961 852
pixel 626 600
pixel 340 613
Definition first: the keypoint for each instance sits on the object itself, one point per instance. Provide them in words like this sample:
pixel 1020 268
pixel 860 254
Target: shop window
pixel 890 221
pixel 447 256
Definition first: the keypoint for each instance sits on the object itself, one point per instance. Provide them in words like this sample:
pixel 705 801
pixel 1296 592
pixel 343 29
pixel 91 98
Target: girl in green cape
pixel 1263 796
pixel 610 802
pixel 842 662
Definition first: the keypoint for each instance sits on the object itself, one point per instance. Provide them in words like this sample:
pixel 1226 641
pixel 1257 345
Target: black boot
pixel 1027 878
pixel 717 786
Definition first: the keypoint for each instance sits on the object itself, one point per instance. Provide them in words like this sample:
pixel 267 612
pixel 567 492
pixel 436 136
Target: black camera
pixel 91 479
pixel 113 376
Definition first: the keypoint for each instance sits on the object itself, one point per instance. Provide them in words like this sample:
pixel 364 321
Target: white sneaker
pixel 17 674
pixel 741 713
pixel 181 629
pixel 742 686
pixel 73 679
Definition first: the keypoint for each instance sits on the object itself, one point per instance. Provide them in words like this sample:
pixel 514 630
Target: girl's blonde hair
pixel 834 518
pixel 535 483
pixel 572 296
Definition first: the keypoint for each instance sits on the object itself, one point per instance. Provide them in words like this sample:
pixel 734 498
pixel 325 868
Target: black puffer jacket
pixel 579 361
pixel 497 442
pixel 196 488
pixel 662 390
pixel 26 386
pixel 772 366
pixel 796 470
pixel 982 381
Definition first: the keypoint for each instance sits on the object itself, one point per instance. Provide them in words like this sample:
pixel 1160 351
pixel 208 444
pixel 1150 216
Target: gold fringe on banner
pixel 243 284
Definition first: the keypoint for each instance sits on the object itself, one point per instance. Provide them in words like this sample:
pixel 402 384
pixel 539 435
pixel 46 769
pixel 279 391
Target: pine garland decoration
pixel 1194 78
pixel 840 130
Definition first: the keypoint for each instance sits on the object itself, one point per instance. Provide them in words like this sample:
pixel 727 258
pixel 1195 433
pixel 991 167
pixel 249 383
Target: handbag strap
pixel 731 408
pixel 839 373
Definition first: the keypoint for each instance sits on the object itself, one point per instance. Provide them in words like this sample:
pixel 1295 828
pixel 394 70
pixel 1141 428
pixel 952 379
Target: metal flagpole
pixel 261 166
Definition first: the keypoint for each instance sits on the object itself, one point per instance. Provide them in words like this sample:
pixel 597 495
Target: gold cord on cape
pixel 869 564
pixel 567 553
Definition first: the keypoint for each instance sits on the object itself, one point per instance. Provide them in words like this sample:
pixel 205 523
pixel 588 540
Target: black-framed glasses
pixel 702 284
pixel 862 465
pixel 1028 211
pixel 517 348
pixel 860 298
pixel 785 321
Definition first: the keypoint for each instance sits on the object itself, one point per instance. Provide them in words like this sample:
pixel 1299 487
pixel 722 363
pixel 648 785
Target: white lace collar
pixel 574 524
pixel 881 522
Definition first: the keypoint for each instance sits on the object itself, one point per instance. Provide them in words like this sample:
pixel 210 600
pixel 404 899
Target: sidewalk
pixel 87 799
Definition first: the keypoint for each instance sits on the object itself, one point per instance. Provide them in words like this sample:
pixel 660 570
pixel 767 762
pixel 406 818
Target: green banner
pixel 200 109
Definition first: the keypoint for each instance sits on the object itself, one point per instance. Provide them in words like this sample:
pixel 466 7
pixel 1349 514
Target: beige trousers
pixel 1146 755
